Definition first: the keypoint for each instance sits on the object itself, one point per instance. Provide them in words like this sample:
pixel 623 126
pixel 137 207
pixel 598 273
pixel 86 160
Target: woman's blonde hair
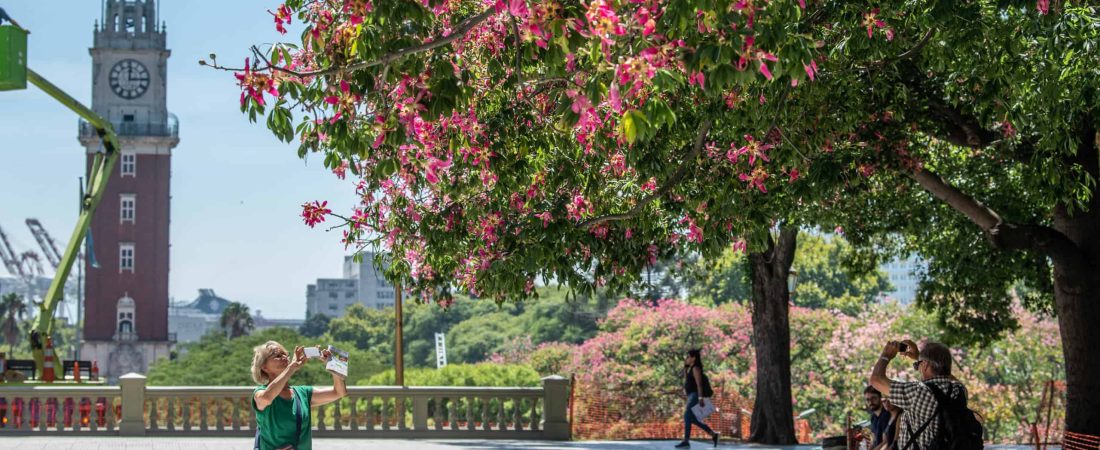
pixel 260 355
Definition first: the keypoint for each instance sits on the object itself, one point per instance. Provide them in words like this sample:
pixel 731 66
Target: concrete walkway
pixel 174 443
pixel 191 443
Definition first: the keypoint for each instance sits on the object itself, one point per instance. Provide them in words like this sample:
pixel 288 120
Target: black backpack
pixel 959 427
pixel 706 391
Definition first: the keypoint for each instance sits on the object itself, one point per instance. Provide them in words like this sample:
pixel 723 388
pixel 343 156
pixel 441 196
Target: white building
pixel 262 322
pixel 361 283
pixel 190 321
pixel 904 276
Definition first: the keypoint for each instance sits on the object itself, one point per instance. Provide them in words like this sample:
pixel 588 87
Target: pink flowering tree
pixel 498 142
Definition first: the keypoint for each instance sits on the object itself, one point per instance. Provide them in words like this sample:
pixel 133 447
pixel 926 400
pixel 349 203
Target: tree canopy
pixel 498 143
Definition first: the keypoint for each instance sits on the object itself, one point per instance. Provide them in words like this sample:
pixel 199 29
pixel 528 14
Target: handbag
pixel 297 425
pixel 702 412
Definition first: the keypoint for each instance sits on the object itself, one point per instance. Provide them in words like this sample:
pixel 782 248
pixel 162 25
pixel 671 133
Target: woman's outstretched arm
pixel 329 394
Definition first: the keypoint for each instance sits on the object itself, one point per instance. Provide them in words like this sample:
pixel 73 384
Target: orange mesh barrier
pixel 599 414
pixel 1078 441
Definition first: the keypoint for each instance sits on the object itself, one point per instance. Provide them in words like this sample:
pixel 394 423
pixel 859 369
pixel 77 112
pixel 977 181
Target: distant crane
pixel 45 241
pixel 11 261
pixel 49 248
pixel 27 265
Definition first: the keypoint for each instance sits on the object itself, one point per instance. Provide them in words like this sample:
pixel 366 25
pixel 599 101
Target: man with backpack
pixel 936 413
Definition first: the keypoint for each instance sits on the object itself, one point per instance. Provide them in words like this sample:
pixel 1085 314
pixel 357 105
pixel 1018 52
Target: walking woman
pixel 693 387
pixel 282 410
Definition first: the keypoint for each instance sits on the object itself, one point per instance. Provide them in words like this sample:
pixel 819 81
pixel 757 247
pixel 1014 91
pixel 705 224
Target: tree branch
pixel 672 181
pixel 463 27
pixel 958 127
pixel 908 53
pixel 1008 236
pixel 785 247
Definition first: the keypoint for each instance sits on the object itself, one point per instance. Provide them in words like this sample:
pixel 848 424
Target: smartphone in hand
pixel 313 352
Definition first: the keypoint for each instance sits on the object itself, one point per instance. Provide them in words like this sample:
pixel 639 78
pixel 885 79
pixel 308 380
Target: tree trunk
pixel 773 413
pixel 1078 315
pixel 1077 299
pixel 1077 296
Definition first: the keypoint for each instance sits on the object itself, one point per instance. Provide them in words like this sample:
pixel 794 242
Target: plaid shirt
pixel 918 405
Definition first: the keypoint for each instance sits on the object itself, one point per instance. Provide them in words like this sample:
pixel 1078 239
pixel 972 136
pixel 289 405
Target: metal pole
pixel 399 354
pixel 79 287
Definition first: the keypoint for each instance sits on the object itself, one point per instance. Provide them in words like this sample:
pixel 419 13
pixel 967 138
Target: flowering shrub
pixel 637 357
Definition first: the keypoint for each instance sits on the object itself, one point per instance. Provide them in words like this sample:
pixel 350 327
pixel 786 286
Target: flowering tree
pixel 497 142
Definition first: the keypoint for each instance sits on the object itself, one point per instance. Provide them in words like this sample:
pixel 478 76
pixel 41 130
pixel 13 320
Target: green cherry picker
pixel 14 75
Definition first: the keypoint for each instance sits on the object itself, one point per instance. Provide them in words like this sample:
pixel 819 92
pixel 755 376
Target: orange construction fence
pixel 599 414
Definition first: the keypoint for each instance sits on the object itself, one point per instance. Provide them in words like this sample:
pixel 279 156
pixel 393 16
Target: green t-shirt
pixel 277 422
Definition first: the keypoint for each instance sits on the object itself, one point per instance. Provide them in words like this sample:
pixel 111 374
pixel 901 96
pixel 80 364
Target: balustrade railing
pixel 368 411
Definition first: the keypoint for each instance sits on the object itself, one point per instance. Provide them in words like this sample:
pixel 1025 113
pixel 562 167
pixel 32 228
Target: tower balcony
pixel 169 128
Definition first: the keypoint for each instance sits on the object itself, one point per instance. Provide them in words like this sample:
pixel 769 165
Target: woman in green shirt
pixel 282 410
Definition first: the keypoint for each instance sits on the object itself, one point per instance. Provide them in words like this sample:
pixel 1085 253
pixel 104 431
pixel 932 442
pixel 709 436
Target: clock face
pixel 129 79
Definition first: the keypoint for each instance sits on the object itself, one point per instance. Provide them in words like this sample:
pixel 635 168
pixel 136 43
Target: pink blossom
pixel 732 99
pixel 613 99
pixel 340 170
pixel 1043 6
pixel 871 21
pixel 697 78
pixel 755 149
pixel 283 17
pixel 254 84
pixel 546 218
pixel 794 174
pixel 695 234
pixel 740 245
pixel 314 213
pixel 578 208
pixel 811 69
pixel 764 57
pixel 756 179
pixel 434 167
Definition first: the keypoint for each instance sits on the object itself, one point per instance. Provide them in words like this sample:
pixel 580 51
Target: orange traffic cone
pixel 76 371
pixel 47 363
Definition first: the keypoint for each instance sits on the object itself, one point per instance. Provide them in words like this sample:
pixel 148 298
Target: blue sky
pixel 236 190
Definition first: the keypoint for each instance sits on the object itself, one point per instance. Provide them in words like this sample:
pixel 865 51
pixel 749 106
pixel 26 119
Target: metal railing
pixel 133 409
pixel 131 129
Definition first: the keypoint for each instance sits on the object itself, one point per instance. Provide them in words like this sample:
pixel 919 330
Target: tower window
pixel 129 164
pixel 127 117
pixel 126 208
pixel 126 257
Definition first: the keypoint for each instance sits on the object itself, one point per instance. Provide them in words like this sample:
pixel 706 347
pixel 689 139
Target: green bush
pixel 218 361
pixel 484 374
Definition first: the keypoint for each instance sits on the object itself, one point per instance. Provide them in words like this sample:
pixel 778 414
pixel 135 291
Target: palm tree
pixel 12 309
pixel 237 320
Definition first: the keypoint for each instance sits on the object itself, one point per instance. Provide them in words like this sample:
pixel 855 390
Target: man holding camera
pixel 920 423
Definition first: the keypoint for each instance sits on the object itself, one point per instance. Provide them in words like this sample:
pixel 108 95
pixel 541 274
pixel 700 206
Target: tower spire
pixel 130 16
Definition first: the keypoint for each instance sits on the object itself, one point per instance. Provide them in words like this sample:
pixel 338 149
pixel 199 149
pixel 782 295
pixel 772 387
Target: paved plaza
pixel 176 443
pixel 198 443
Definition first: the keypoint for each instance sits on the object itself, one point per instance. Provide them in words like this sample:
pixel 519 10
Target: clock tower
pixel 126 289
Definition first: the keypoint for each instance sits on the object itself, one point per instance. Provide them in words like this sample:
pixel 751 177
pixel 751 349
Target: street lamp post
pixel 792 283
pixel 399 355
